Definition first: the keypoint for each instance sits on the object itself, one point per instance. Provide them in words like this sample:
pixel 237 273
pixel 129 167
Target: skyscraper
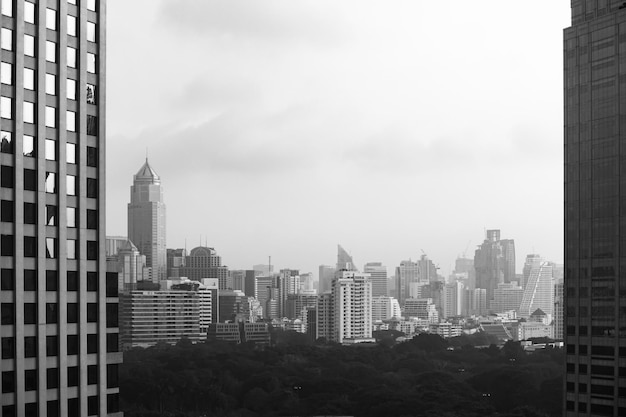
pixel 146 220
pixel 406 274
pixel 351 307
pixel 344 260
pixel 378 277
pixel 203 262
pixel 539 291
pixel 594 50
pixel 59 320
pixel 494 262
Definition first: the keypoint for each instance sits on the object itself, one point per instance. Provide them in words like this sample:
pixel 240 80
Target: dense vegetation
pixel 421 377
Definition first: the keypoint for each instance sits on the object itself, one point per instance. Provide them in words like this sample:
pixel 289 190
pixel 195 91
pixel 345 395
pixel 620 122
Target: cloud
pixel 257 20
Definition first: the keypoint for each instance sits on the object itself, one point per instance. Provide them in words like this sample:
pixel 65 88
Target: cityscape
pixel 133 284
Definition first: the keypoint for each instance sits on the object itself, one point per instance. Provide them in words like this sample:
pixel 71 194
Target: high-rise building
pixel 344 260
pixel 494 261
pixel 175 260
pixel 378 276
pixel 531 260
pixel 539 292
pixel 508 296
pixel 385 308
pixel 406 274
pixel 146 220
pixel 325 278
pixel 351 307
pixel 595 301
pixel 559 312
pixel 427 271
pixel 203 262
pixel 130 266
pixel 59 305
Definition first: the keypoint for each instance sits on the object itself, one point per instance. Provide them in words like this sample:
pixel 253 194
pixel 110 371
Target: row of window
pixel 7 180
pixel 50 116
pixel 6 77
pixel 52 313
pixel 28 149
pixel 7 214
pixel 6 43
pixel 7 247
pixel 29 10
pixel 52 377
pixel 73 404
pixel 7 281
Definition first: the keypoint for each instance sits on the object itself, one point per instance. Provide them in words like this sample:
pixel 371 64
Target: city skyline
pixel 268 127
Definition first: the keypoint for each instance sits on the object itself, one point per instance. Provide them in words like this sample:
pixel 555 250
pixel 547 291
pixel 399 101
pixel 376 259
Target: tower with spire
pixel 146 220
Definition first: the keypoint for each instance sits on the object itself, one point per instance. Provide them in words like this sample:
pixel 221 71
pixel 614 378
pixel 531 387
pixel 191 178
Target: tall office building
pixel 344 260
pixel 146 220
pixel 378 277
pixel 58 325
pixel 594 50
pixel 203 262
pixel 494 261
pixel 351 307
pixel 406 274
pixel 539 292
pixel 325 278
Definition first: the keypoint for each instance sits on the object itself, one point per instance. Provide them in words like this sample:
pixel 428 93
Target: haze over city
pixel 283 128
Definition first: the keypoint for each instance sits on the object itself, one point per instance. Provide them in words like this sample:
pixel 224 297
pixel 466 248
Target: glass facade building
pixel 595 208
pixel 59 325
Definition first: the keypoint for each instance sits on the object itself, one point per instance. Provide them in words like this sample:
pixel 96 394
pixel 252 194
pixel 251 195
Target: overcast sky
pixel 286 127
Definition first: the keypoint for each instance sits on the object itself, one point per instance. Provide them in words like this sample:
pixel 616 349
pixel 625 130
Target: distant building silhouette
pixel 494 261
pixel 539 291
pixel 378 276
pixel 204 262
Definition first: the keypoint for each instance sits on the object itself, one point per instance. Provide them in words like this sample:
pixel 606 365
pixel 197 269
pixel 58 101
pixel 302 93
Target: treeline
pixel 421 377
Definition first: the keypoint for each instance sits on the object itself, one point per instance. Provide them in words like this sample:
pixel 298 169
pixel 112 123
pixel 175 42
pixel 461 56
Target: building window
pixel 30 179
pixel 71 121
pixel 71 57
pixel 92 281
pixel 92 188
pixel 92 219
pixel 51 182
pixel 30 246
pixel 30 280
pixel 51 150
pixel 7 313
pixel 73 340
pixel 71 249
pixel 112 342
pixel 52 280
pixel 51 51
pixel 92 125
pixel 51 84
pixel 7 8
pixel 72 376
pixel 52 378
pixel 73 405
pixel 7 39
pixel 71 89
pixel 51 215
pixel 30 346
pixel 71 25
pixel 71 184
pixel 30 313
pixel 91 5
pixel 30 380
pixel 113 403
pixel 113 375
pixel 6 108
pixel 6 73
pixel 29 45
pixel 52 408
pixel 52 346
pixel 8 381
pixel 92 374
pixel 7 280
pixel 92 343
pixel 51 248
pixel 7 213
pixel 7 178
pixel 51 116
pixel 70 153
pixel 51 19
pixel 71 216
pixel 91 94
pixel 93 404
pixel 28 146
pixel 92 250
pixel 6 143
pixel 92 156
pixel 112 315
pixel 91 63
pixel 7 245
pixel 29 112
pixel 29 12
pixel 30 213
pixel 72 280
pixel 92 312
pixel 29 79
pixel 8 347
pixel 72 317
pixel 52 313
pixel 91 31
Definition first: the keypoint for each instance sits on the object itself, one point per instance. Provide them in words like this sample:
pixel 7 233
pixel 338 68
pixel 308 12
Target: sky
pixel 285 127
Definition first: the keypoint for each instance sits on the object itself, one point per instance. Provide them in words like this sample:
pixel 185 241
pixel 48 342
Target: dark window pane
pixel 92 374
pixel 52 378
pixel 92 188
pixel 73 343
pixel 92 405
pixel 92 219
pixel 7 280
pixel 7 212
pixel 92 343
pixel 30 410
pixel 72 312
pixel 53 408
pixel 113 403
pixel 30 280
pixel 112 315
pixel 112 376
pixel 72 280
pixel 52 346
pixel 6 142
pixel 7 245
pixel 51 215
pixel 30 313
pixel 72 376
pixel 7 313
pixel 92 312
pixel 52 313
pixel 92 250
pixel 92 125
pixel 30 346
pixel 8 381
pixel 73 407
pixel 7 177
pixel 112 342
pixel 92 156
pixel 111 284
pixel 30 213
pixel 92 281
pixel 52 281
pixel 8 348
pixel 30 179
pixel 30 379
pixel 30 246
pixel 8 411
